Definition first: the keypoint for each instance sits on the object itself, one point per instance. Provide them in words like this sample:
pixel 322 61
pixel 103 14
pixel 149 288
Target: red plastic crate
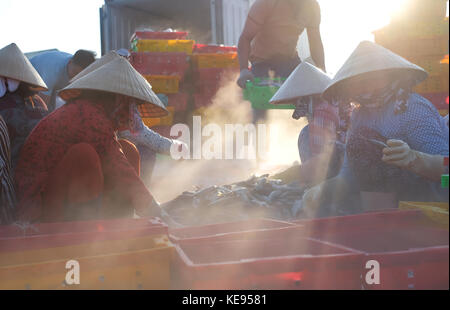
pixel 14 238
pixel 410 251
pixel 163 130
pixel 261 228
pixel 178 101
pixel 439 100
pixel 159 35
pixel 148 63
pixel 265 264
pixel 210 48
pixel 203 100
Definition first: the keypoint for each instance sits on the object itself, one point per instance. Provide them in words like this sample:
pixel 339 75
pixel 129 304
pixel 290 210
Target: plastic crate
pixel 439 100
pixel 163 130
pixel 159 35
pixel 408 48
pixel 163 46
pixel 214 49
pixel 160 63
pixel 423 10
pixel 443 112
pixel 95 226
pixel 161 121
pixel 265 264
pixel 178 101
pixel 433 84
pixel 213 76
pixel 120 264
pixel 431 64
pixel 260 96
pixel 152 122
pixel 215 60
pixel 436 211
pixel 411 251
pixel 40 236
pixel 167 120
pixel 227 231
pixel 164 84
pixel 202 100
pixel 412 30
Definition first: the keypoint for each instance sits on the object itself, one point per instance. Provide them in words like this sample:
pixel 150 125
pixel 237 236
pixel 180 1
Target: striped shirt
pixel 7 193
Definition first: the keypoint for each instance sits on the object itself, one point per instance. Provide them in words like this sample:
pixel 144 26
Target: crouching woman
pixel 73 167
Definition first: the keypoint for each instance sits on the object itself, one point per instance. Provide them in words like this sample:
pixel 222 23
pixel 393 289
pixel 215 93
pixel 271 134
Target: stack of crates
pixel 163 59
pixel 212 65
pixel 421 35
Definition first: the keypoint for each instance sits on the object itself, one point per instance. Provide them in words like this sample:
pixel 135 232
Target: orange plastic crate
pixel 216 60
pixel 164 84
pixel 161 121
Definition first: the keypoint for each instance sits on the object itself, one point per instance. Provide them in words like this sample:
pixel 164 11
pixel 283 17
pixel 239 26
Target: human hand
pixel 398 153
pixel 310 200
pixel 245 76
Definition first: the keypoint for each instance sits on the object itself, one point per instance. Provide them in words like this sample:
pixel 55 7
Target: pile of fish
pixel 254 198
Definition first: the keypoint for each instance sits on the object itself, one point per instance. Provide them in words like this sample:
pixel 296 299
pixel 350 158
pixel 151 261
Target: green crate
pixel 260 96
pixel 444 181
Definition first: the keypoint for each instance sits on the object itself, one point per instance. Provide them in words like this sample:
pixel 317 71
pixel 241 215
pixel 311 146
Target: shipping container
pixel 207 21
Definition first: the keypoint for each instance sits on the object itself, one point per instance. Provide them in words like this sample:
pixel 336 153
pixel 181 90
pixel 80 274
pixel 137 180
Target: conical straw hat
pixel 369 57
pixel 15 65
pixel 305 80
pixel 111 55
pixel 118 77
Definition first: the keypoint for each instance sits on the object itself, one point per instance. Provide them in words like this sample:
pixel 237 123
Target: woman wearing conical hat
pixel 72 165
pixel 20 106
pixel 148 142
pixel 318 143
pixel 378 83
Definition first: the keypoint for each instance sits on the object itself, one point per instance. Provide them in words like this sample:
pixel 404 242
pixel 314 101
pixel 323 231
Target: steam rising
pixel 171 178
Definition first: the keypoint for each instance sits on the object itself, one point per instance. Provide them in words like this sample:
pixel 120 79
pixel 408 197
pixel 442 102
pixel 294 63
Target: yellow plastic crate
pixel 141 263
pixel 165 46
pixel 164 84
pixel 433 84
pixel 229 60
pixel 436 211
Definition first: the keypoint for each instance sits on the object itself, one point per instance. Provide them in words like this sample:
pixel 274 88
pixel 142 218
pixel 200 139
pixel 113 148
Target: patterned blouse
pixel 21 116
pixel 76 122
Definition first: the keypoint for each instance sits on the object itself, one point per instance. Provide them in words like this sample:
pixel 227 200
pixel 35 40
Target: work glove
pixel 310 200
pixel 245 76
pixel 399 153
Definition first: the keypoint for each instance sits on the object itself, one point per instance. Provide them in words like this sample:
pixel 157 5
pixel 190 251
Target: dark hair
pixel 101 98
pixel 83 58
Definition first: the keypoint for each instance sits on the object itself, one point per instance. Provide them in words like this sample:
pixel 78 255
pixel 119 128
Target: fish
pixel 258 196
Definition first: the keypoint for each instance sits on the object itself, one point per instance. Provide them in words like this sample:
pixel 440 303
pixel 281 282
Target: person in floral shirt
pixel 73 167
